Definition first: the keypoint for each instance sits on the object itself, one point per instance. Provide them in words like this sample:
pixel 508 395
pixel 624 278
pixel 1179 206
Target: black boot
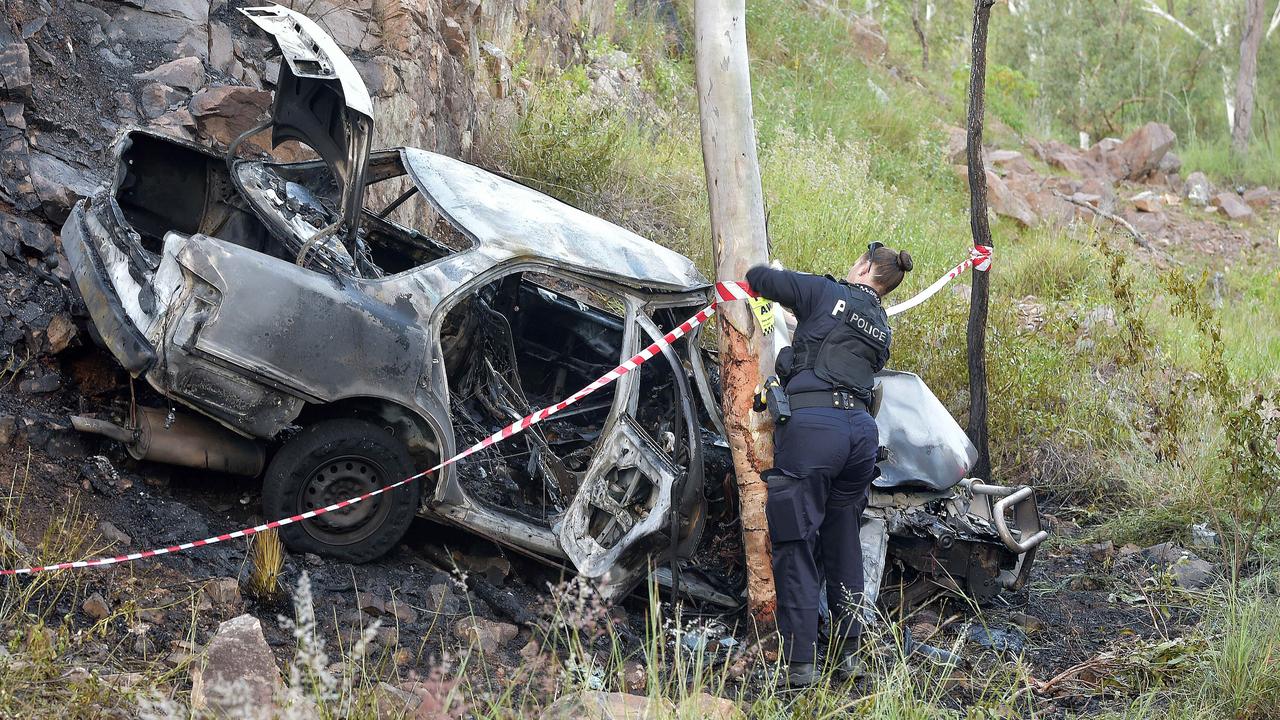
pixel 801 674
pixel 850 667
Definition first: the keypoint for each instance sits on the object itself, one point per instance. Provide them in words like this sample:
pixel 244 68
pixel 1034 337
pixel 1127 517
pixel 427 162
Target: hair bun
pixel 904 261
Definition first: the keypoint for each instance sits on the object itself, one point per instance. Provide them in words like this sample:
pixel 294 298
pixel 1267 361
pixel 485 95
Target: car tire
pixel 332 461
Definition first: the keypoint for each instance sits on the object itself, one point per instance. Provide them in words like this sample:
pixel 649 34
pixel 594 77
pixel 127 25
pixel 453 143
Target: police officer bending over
pixel 825 454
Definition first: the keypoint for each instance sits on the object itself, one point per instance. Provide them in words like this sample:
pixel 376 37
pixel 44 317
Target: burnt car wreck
pixel 335 325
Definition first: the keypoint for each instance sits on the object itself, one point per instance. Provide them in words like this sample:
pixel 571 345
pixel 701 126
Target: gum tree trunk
pixel 981 231
pixel 1247 76
pixel 738 241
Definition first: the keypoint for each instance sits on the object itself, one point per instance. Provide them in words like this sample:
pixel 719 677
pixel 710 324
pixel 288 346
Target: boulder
pixel 868 38
pixel 1169 164
pixel 221 50
pixel 1007 201
pixel 596 705
pixel 1187 569
pixel 455 38
pixel 235 671
pixel 17 233
pixel 1258 197
pixel 59 184
pixel 223 113
pixel 1196 189
pixel 956 145
pixel 1010 161
pixel 1233 206
pixel 186 73
pixel 1142 151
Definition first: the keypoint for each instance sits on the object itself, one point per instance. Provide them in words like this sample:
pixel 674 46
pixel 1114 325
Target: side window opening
pixel 516 345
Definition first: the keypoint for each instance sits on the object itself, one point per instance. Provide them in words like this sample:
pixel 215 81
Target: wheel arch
pixel 417 431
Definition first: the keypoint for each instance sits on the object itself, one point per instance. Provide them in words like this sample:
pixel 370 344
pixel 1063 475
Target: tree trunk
pixel 738 242
pixel 917 24
pixel 1247 76
pixel 981 230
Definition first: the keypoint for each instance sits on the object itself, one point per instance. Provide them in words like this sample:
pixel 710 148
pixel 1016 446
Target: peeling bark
pixel 738 241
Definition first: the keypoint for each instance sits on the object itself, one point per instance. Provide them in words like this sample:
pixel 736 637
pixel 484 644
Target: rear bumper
pixel 84 252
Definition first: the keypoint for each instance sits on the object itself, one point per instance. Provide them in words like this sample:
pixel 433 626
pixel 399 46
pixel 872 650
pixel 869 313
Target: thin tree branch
pixel 1160 12
pixel 1137 236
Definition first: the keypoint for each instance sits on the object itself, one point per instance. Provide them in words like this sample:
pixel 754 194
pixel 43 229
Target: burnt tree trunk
pixel 738 241
pixel 1247 76
pixel 981 231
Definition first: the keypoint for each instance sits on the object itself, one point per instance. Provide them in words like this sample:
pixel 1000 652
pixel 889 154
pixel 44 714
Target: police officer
pixel 825 455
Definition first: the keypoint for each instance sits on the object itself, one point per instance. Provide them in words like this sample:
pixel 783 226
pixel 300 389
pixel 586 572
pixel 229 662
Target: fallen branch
pixel 1137 236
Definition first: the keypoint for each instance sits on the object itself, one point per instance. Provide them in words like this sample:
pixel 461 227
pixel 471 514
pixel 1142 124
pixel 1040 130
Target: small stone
pixel 1233 206
pixel 708 707
pixel 186 73
pixel 8 429
pixel 401 611
pixel 113 534
pixel 487 635
pixel 96 607
pixel 1101 552
pixel 1257 197
pixel 223 591
pixel 441 599
pixel 1146 201
pixel 1030 623
pixel 1202 536
pixel 155 616
pixel 60 333
pixel 370 603
pixel 634 676
pixel 392 703
pixel 46 383
pixel 156 99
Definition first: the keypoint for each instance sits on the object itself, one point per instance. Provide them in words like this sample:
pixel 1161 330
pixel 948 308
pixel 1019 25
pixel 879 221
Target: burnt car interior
pixel 167 186
pixel 512 347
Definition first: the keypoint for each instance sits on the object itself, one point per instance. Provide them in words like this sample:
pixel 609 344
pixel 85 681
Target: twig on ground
pixel 1137 236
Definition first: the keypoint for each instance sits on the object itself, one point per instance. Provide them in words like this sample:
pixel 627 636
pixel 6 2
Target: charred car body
pixel 360 316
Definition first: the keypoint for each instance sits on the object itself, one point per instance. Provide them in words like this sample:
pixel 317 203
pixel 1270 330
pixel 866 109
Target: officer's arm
pixel 794 290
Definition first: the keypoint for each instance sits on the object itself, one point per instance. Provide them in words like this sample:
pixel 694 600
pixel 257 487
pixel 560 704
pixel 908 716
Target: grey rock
pixel 15 67
pixel 36 237
pixel 10 545
pixel 221 50
pixel 484 634
pixel 113 534
pixel 1258 197
pixel 156 98
pixel 186 73
pixel 441 599
pixel 223 591
pixel 1202 536
pixel 59 185
pixel 1233 206
pixel 47 383
pixel 1196 189
pixel 597 705
pixel 8 429
pixel 236 670
pixel 96 607
pixel 1187 569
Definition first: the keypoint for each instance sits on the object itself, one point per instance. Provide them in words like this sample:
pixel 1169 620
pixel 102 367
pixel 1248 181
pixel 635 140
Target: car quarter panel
pixel 316 336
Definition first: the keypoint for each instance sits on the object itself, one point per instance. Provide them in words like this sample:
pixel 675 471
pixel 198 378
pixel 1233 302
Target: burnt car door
pixel 641 499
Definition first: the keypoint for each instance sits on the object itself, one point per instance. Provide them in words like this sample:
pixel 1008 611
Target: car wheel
pixel 332 461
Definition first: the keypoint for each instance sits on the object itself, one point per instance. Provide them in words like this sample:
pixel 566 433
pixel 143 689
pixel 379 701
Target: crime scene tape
pixel 725 292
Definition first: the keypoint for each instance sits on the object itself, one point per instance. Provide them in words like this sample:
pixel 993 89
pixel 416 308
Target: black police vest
pixel 849 356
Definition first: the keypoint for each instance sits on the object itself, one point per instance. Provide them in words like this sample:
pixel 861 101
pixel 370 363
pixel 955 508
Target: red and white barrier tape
pixel 725 292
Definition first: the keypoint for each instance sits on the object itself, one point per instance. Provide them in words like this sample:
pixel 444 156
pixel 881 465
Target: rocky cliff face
pixel 74 74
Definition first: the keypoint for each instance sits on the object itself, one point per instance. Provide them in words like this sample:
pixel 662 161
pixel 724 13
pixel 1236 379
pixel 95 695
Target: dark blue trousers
pixel 824 462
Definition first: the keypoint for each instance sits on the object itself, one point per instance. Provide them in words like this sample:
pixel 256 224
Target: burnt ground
pixel 1083 600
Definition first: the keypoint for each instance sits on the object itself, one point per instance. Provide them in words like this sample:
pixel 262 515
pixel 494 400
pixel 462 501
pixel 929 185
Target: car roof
pixel 507 218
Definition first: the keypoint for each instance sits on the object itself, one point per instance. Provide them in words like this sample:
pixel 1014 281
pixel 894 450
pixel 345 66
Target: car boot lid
pixel 321 101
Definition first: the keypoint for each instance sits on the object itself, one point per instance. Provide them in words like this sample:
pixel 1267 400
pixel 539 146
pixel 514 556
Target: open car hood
pixel 320 101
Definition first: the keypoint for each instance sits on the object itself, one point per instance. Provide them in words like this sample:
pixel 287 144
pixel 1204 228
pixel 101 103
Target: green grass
pixel 1259 166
